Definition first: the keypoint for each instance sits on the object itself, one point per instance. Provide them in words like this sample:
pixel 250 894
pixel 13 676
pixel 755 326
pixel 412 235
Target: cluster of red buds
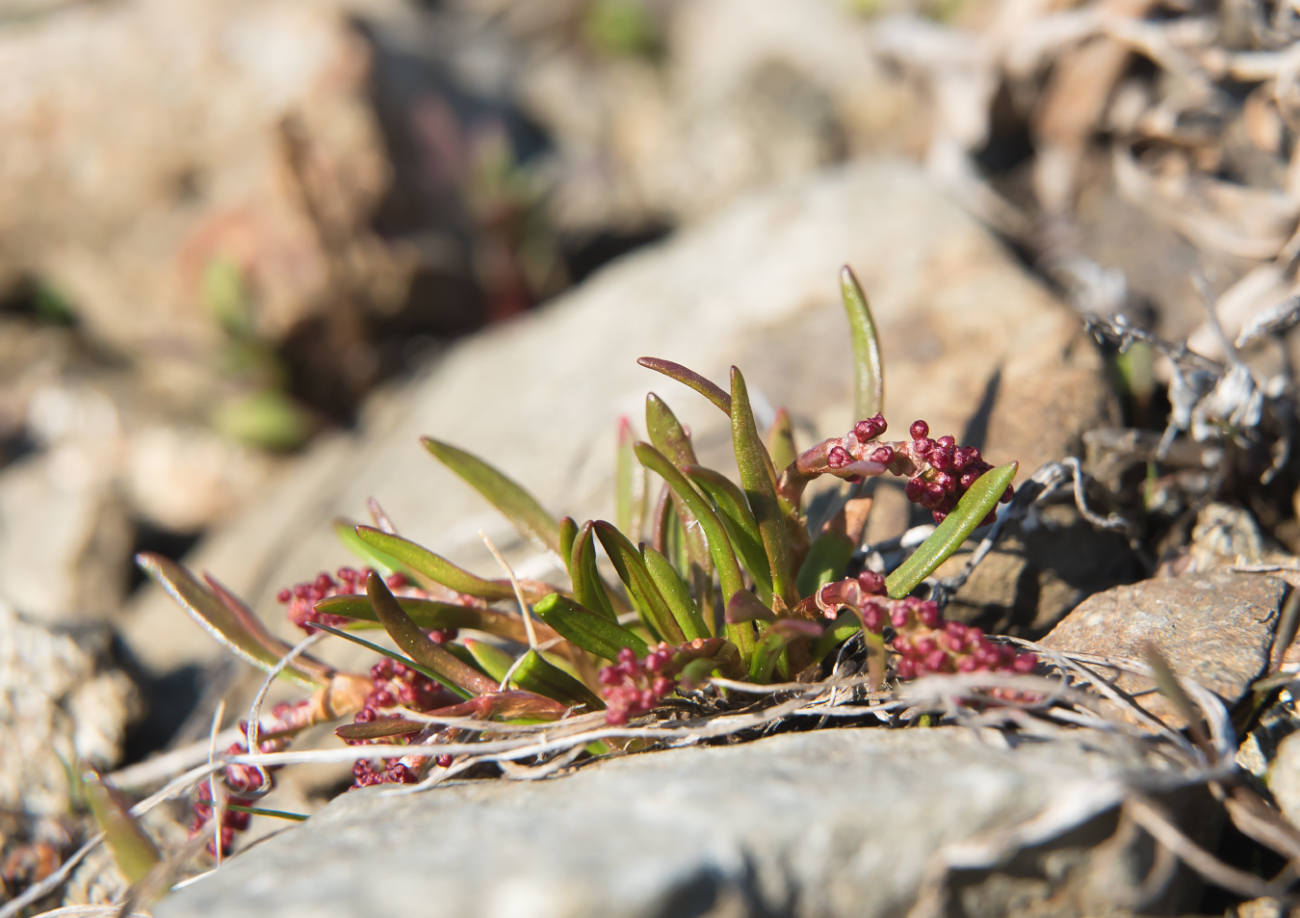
pixel 395 683
pixel 347 581
pixel 938 471
pixel 924 641
pixel 634 687
pixel 245 782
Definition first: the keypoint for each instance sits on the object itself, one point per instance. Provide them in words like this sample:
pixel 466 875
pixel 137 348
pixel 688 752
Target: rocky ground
pixel 231 309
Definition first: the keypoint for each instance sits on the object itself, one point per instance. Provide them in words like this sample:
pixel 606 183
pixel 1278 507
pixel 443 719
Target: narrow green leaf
pixel 431 568
pixel 709 390
pixel 740 524
pixel 133 850
pixel 446 668
pixel 537 675
pixel 724 557
pixel 630 486
pixel 346 532
pixel 516 504
pixel 760 488
pixel 588 586
pixel 948 536
pixel 868 368
pixel 491 659
pixel 274 814
pixel 568 535
pixel 746 607
pixel 587 629
pixel 772 643
pixel 676 593
pixel 669 437
pixel 428 613
pixel 234 627
pixel 827 558
pixel 631 568
pixel 780 440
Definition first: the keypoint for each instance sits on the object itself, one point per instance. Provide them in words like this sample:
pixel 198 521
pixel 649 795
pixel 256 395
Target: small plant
pixel 714 580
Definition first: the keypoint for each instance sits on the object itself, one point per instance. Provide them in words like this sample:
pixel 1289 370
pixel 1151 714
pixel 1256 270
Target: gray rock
pixel 828 823
pixel 756 286
pixel 1214 627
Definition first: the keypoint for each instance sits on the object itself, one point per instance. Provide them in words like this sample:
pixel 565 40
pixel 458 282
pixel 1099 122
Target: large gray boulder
pixel 830 823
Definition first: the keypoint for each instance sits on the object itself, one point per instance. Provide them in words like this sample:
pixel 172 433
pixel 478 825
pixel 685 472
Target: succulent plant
pixel 713 579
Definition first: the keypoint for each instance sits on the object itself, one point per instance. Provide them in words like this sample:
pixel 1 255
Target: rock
pixel 1284 777
pixel 756 286
pixel 58 701
pixel 91 144
pixel 834 822
pixel 1026 585
pixel 1214 627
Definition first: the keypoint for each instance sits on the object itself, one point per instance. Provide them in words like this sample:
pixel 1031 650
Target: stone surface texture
pixel 58 702
pixel 1214 627
pixel 828 823
pixel 756 286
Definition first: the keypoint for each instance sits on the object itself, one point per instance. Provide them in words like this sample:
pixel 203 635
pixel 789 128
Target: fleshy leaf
pixel 447 669
pixel 587 629
pixel 588 586
pixel 724 557
pixel 669 437
pixel 245 636
pixel 630 485
pixel 654 610
pixel 133 850
pixel 428 613
pixel 948 536
pixel 516 504
pixel 676 593
pixel 538 675
pixel 378 729
pixel 836 634
pixel 760 488
pixel 828 556
pixel 428 566
pixel 780 440
pixel 385 652
pixel 739 521
pixel 346 532
pixel 491 659
pixel 868 368
pixel 746 607
pixel 568 535
pixel 709 390
pixel 772 643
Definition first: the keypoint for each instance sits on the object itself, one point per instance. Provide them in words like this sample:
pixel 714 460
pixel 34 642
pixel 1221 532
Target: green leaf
pixel 740 524
pixel 676 593
pixel 868 369
pixel 760 488
pixel 516 504
pixel 587 629
pixel 948 536
pixel 428 613
pixel 537 675
pixel 746 607
pixel 133 850
pixel 568 535
pixel 724 558
pixel 274 814
pixel 780 440
pixel 828 556
pixel 772 643
pixel 631 568
pixel 630 486
pixel 588 586
pixel 1167 684
pixel 346 531
pixel 836 634
pixel 709 390
pixel 446 668
pixel 230 622
pixel 267 419
pixel 669 437
pixel 490 658
pixel 431 568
